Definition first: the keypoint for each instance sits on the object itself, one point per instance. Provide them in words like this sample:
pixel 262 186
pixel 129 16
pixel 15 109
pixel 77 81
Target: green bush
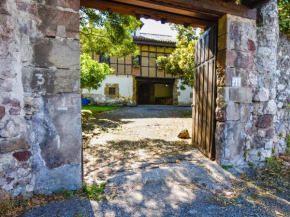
pixel 86 115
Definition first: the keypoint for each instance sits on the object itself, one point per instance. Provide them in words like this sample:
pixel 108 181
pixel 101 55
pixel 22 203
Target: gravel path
pixel 151 172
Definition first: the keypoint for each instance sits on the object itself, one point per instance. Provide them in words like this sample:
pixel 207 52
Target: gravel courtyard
pixel 137 138
pixel 149 171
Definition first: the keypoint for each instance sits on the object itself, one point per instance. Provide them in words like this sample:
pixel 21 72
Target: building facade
pixel 138 80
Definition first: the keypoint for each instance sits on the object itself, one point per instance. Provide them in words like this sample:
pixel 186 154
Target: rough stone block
pixel 240 94
pixel 222 25
pixel 262 95
pixel 13 144
pixel 232 134
pixel 227 58
pixel 273 93
pixel 27 7
pixel 61 139
pixel 61 31
pixel 269 134
pixel 221 114
pixel 68 177
pixel 251 45
pixel 14 111
pixel 67 81
pixel 271 107
pixel 258 109
pixel 55 52
pixel 50 80
pixel 232 112
pixel 229 74
pixel 222 94
pixel 14 102
pixel 52 17
pixel 245 113
pixel 65 5
pixel 11 128
pixel 222 42
pixel 22 156
pixel 264 121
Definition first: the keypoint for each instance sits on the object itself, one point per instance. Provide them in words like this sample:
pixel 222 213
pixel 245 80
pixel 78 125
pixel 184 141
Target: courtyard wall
pixel 40 111
pixel 123 85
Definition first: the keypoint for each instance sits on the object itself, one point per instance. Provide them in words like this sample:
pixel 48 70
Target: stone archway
pixel 40 122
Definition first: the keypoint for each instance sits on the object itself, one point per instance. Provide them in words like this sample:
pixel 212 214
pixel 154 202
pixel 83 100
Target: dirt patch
pixel 136 138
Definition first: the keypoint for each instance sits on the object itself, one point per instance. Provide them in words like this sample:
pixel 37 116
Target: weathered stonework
pixel 247 88
pixel 40 127
pixel 282 115
pixel 40 122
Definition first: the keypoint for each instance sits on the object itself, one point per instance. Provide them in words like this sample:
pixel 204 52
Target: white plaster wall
pixel 125 90
pixel 184 97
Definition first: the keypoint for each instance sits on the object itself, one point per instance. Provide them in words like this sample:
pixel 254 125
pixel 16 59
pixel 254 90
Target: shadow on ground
pixel 188 188
pixel 148 171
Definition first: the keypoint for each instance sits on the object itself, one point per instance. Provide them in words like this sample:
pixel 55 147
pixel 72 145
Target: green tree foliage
pixel 104 34
pixel 181 61
pixel 108 34
pixel 92 72
pixel 284 16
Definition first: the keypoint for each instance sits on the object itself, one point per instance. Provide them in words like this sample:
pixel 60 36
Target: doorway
pixel 144 94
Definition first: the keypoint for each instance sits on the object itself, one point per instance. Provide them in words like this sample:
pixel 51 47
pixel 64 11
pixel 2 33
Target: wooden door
pixel 144 94
pixel 204 93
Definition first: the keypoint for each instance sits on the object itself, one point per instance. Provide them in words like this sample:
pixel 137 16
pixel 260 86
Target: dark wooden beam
pixel 138 11
pixel 254 3
pixel 212 7
pixel 176 9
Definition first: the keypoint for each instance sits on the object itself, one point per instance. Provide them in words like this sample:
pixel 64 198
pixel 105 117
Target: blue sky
pixel 152 26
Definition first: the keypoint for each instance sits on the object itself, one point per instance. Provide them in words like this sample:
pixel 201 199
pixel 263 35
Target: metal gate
pixel 204 91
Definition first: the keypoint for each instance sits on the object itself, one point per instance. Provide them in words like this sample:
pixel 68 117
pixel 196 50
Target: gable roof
pixel 155 38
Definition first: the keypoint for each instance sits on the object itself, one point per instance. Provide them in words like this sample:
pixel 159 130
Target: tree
pixel 181 61
pixel 284 16
pixel 104 34
pixel 107 34
pixel 92 72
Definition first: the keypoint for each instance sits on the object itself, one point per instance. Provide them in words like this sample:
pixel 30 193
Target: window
pixel 112 91
pixel 104 59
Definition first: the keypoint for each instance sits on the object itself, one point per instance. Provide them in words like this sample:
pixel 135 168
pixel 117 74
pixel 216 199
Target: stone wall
pixel 282 119
pixel 261 136
pixel 246 93
pixel 235 64
pixel 40 123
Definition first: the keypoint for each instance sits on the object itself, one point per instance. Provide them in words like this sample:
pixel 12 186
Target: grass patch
pixel 186 114
pixel 226 167
pixel 91 113
pixel 99 109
